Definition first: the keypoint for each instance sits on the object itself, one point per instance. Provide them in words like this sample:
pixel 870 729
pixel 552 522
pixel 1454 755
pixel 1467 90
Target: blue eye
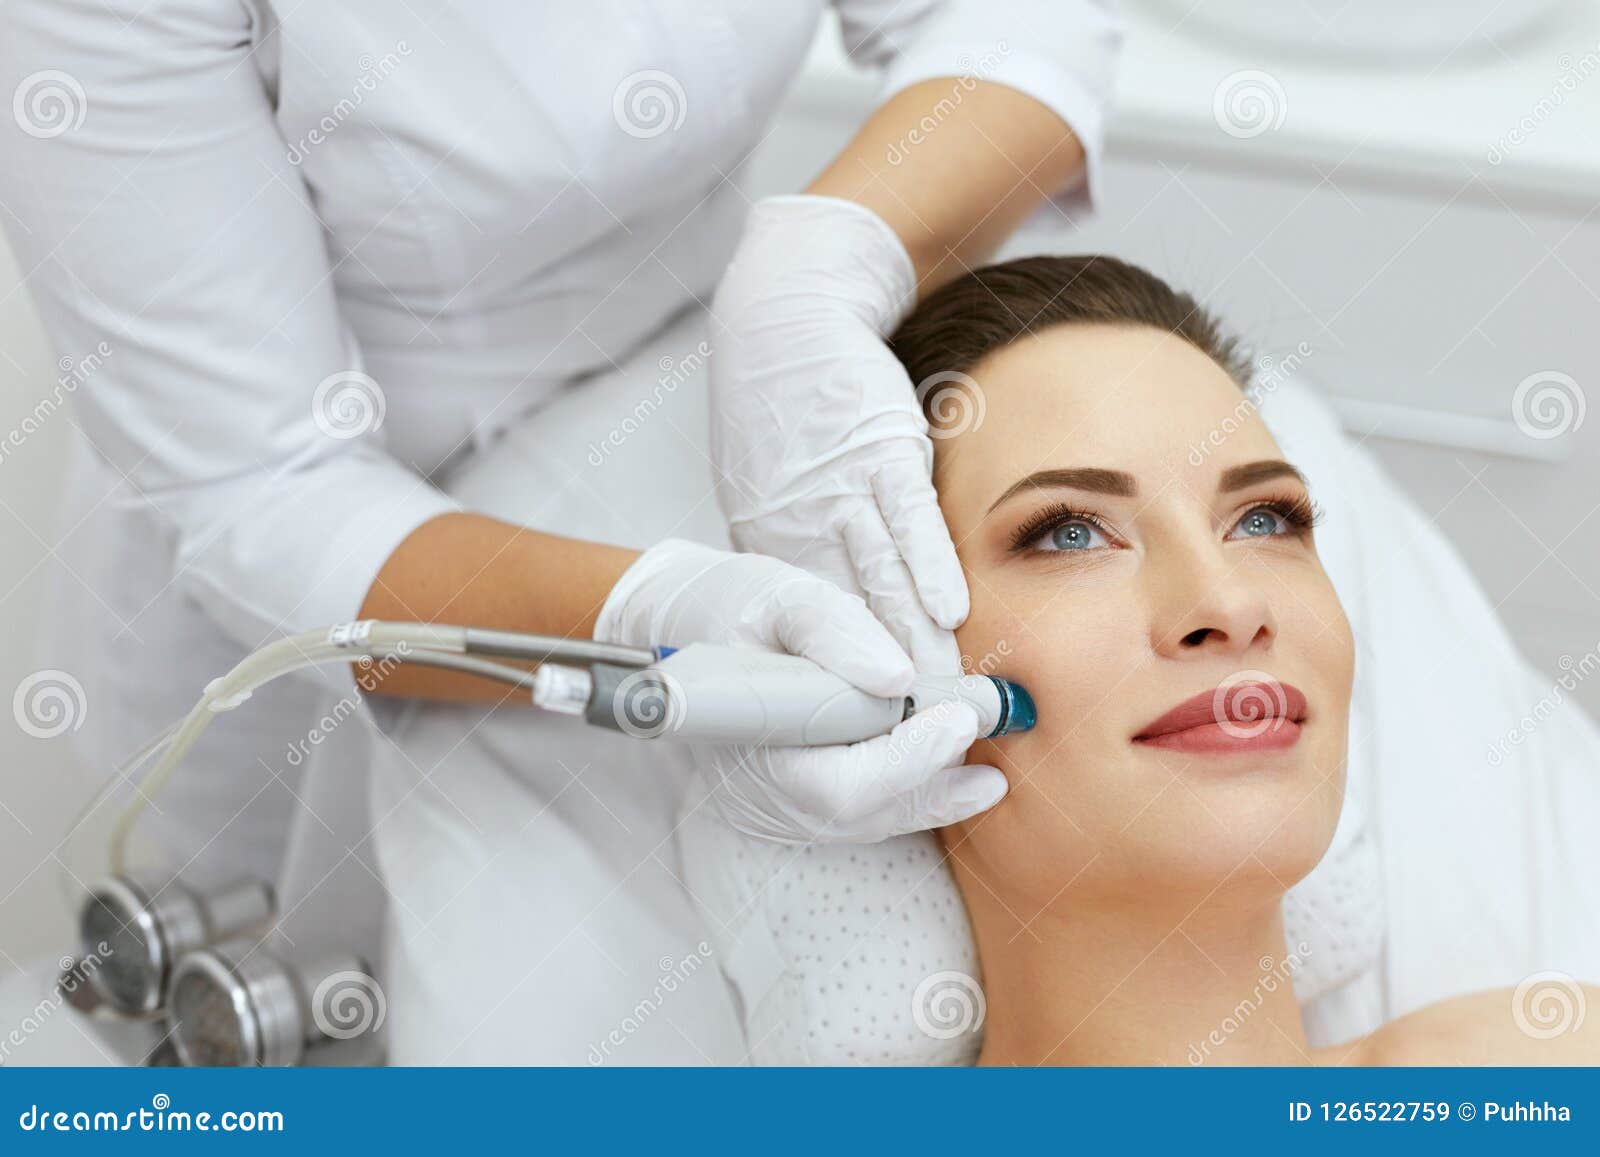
pixel 1074 535
pixel 1262 522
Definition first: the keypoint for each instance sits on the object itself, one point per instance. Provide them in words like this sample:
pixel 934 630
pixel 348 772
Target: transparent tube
pixel 420 643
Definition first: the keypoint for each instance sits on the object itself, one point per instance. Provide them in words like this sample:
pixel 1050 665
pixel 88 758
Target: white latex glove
pixel 818 439
pixel 680 592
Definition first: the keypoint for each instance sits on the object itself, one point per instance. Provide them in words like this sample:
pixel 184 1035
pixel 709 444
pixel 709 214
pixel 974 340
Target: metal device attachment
pixel 147 925
pixel 238 1004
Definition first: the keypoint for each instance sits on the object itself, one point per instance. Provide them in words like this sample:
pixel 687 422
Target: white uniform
pixel 285 221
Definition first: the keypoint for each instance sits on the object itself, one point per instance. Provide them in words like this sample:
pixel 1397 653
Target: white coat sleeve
pixel 152 207
pixel 1063 53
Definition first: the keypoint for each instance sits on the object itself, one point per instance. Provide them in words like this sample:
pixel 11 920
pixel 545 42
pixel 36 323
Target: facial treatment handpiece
pixel 732 695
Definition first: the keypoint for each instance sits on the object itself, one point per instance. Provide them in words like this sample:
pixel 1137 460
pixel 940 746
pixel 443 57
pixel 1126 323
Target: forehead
pixel 1125 397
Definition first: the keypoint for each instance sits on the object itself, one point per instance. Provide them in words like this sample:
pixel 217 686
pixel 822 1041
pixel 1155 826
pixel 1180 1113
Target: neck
pixel 1118 983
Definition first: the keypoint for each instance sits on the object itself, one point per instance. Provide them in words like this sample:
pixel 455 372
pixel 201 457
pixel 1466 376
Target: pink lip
pixel 1235 717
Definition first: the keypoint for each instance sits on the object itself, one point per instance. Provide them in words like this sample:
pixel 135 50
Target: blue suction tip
pixel 1017 712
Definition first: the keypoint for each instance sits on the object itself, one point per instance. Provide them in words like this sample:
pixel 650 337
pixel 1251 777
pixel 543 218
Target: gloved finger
pixel 882 575
pixel 810 616
pixel 749 812
pixel 933 649
pixel 822 555
pixel 911 511
pixel 879 772
pixel 947 797
pixel 888 588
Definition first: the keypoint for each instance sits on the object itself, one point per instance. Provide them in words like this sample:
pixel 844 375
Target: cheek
pixel 1070 795
pixel 1340 655
pixel 1071 649
pixel 1329 648
pixel 1317 632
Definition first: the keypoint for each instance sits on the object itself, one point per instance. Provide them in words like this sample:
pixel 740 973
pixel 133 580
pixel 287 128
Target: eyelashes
pixel 1298 512
pixel 1300 515
pixel 1048 518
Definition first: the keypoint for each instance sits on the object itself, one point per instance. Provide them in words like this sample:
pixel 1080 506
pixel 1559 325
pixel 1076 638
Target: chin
pixel 1254 832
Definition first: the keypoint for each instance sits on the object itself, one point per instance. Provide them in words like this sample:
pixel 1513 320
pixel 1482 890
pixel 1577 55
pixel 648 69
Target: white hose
pixel 422 643
pixel 121 774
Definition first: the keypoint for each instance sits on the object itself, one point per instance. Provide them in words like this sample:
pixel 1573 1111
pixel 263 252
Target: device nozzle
pixel 1017 712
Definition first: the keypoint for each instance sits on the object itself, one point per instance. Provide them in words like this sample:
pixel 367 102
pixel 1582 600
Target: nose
pixel 1212 607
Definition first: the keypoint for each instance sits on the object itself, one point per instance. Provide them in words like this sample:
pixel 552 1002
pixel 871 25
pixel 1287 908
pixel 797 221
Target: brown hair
pixel 964 321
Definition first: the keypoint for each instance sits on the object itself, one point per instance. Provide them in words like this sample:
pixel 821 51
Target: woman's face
pixel 1116 572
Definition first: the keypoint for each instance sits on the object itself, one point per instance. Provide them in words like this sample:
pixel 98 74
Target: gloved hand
pixel 680 592
pixel 817 435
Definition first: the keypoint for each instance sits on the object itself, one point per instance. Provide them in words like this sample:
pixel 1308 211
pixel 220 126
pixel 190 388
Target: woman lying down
pixel 1192 666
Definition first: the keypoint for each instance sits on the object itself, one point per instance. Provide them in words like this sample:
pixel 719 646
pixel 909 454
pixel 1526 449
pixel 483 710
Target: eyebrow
pixel 1239 477
pixel 1090 478
pixel 1123 485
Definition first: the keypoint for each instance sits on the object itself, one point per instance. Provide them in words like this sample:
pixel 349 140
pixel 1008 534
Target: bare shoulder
pixel 1544 1024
